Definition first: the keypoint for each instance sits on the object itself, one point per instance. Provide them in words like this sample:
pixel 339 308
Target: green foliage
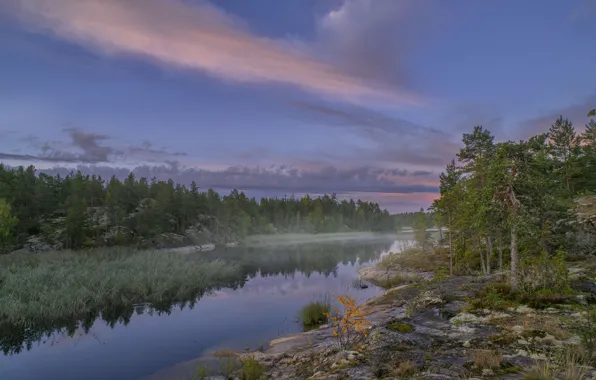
pixel 82 211
pixel 512 203
pixel 314 313
pixel 7 221
pixel 252 370
pixel 496 297
pixel 592 112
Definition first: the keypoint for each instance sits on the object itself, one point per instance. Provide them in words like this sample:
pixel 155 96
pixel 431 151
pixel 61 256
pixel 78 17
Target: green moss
pixel 401 327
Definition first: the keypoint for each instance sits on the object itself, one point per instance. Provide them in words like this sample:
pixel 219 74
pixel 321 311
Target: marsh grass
pixel 314 313
pixel 67 285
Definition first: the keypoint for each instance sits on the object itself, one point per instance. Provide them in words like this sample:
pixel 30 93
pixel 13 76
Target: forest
pixel 39 212
pixel 526 205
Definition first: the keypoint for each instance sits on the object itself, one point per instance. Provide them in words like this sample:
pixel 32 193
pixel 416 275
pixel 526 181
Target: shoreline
pixel 445 337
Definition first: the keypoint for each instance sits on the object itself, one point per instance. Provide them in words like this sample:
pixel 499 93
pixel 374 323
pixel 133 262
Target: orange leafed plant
pixel 350 325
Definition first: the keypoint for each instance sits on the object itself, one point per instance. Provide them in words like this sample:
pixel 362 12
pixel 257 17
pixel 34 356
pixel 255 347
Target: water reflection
pixel 259 304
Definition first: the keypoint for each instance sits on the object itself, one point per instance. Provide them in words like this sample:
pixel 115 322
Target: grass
pixel 416 259
pixel 67 285
pixel 487 359
pixel 540 371
pixel 393 281
pixel 251 370
pixel 405 369
pixel 314 313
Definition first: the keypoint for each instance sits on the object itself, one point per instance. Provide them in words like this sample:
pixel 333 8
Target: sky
pixel 367 99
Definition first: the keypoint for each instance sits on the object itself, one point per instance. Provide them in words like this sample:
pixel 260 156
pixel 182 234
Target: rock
pixel 523 309
pixel 351 355
pixel 583 286
pixel 465 329
pixel 518 329
pixel 487 372
pixel 497 315
pixel 574 340
pixel 467 344
pixel 453 308
pixel 465 318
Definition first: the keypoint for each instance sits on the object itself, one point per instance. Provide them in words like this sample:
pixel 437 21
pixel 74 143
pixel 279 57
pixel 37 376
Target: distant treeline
pixel 42 212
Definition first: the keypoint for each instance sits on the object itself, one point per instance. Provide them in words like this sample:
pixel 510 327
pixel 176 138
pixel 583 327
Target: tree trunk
pixel 489 250
pixel 481 256
pixel 514 258
pixel 500 251
pixel 450 248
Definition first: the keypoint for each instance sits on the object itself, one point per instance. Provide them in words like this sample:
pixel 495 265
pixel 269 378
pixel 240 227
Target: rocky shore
pixel 438 330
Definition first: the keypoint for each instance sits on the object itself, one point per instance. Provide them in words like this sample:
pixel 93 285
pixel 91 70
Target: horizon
pixel 364 99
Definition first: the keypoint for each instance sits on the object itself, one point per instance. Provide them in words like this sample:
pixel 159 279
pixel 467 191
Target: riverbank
pixel 453 328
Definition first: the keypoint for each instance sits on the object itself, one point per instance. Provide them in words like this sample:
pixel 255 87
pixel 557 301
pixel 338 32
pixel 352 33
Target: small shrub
pixel 496 297
pixel 401 327
pixel 350 325
pixel 315 313
pixel 252 370
pixel 487 359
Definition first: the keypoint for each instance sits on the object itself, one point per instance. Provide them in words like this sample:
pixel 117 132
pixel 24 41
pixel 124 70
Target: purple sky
pixel 364 98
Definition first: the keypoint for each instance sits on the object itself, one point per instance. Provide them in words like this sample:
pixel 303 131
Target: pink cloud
pixel 199 37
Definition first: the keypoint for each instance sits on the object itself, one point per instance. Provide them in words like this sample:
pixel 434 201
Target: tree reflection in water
pixel 319 258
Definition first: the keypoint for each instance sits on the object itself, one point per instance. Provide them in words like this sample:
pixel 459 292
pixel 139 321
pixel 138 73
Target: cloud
pixel 360 118
pixel 281 179
pixel 201 37
pixel 576 113
pixel 394 140
pixel 88 148
pixel 368 38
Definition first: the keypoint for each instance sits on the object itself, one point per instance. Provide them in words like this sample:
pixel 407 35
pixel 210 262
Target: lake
pixel 261 304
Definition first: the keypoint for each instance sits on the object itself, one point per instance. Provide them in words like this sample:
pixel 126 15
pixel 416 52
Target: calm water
pixel 262 304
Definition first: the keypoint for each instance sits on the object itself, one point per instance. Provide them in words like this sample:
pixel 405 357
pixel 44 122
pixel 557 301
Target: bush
pixel 351 324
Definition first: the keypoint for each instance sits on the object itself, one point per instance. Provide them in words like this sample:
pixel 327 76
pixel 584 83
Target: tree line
pixel 524 205
pixel 39 211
